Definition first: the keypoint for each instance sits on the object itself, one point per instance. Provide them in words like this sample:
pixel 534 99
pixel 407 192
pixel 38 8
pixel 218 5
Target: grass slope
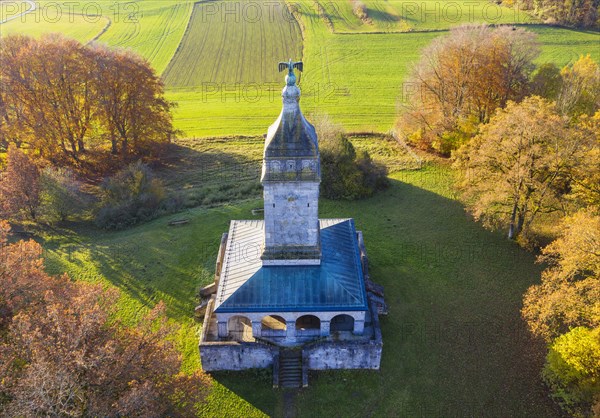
pixel 406 16
pixel 52 17
pixel 454 342
pixel 153 28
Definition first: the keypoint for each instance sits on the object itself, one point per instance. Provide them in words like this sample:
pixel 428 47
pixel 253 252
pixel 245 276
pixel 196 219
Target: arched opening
pixel 239 328
pixel 308 325
pixel 273 326
pixel 342 323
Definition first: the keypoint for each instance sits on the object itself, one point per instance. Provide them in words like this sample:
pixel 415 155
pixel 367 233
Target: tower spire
pixel 291 176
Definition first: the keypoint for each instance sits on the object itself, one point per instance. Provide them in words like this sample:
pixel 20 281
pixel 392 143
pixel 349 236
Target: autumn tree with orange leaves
pixel 60 98
pixel 460 81
pixel 62 353
pixel 19 186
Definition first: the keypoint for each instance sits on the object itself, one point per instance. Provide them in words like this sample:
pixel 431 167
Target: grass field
pixel 454 344
pixel 236 48
pixel 50 17
pixel 153 28
pixel 406 16
pixel 357 78
pixel 219 58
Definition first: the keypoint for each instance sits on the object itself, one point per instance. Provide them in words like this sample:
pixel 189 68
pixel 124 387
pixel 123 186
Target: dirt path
pixel 32 8
pixel 289 404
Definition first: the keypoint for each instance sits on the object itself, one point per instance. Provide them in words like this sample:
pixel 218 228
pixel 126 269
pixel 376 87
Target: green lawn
pixel 453 342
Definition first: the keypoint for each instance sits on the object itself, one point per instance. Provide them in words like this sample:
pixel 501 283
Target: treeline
pixel 64 353
pixel 463 78
pixel 577 13
pixel 524 138
pixel 564 310
pixel 526 143
pixel 60 99
pixel 70 111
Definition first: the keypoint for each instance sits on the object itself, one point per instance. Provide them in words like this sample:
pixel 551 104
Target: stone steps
pixel 290 369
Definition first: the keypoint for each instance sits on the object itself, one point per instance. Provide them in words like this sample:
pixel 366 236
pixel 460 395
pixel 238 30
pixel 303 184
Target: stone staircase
pixel 290 369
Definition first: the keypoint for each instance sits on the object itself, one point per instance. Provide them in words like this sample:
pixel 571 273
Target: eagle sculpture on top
pixel 290 78
pixel 290 66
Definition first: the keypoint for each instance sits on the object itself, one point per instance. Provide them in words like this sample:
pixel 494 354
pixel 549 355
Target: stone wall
pixel 232 355
pixel 343 355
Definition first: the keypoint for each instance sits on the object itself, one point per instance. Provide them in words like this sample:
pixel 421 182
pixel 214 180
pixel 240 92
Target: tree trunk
pixel 81 145
pixel 124 148
pixel 512 229
pixel 520 223
pixel 114 149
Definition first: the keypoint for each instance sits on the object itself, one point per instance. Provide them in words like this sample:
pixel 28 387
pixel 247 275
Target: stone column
pixel 256 329
pixel 359 326
pixel 325 328
pixel 222 329
pixel 290 332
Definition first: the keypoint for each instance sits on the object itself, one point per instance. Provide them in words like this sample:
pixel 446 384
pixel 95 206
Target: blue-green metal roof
pixel 336 284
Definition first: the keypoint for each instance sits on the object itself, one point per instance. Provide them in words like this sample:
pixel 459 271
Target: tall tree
pixel 61 97
pixel 580 92
pixel 12 110
pixel 62 353
pixel 585 184
pixel 466 76
pixel 569 295
pixel 19 185
pixel 134 111
pixel 519 165
pixel 578 13
pixel 52 81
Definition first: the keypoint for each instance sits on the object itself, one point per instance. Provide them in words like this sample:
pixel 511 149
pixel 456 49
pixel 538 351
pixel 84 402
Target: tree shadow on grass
pixel 254 387
pixel 454 341
pixel 154 261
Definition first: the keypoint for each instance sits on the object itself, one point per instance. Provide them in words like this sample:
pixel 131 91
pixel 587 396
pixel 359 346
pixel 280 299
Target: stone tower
pixel 291 176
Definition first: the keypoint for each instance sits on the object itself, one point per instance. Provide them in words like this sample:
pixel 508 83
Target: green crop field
pixel 227 64
pixel 406 16
pixel 153 28
pixel 237 48
pixel 357 78
pixel 218 58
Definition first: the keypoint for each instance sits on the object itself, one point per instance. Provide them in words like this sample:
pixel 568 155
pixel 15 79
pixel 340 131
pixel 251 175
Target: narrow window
pixel 273 204
pixel 308 205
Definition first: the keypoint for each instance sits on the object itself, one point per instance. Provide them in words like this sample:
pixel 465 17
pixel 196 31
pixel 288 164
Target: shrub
pixel 360 10
pixel 131 196
pixel 573 370
pixel 346 174
pixel 61 195
pixel 19 186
